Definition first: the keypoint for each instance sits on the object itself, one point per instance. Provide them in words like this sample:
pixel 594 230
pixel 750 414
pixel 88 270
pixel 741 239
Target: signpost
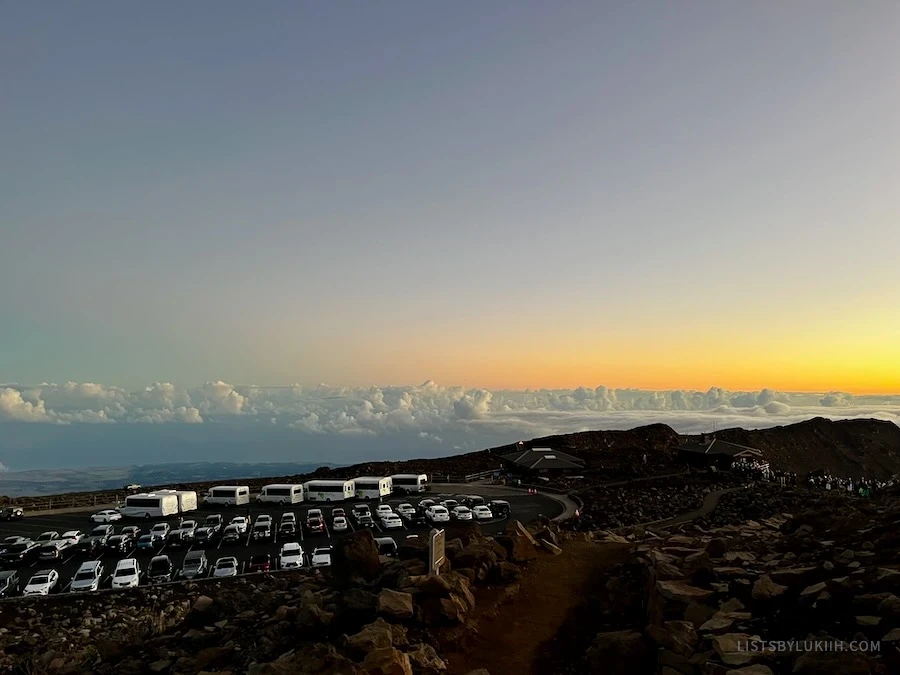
pixel 436 550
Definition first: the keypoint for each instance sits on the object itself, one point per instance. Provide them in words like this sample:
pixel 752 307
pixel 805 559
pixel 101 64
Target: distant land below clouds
pixel 78 425
pixel 50 482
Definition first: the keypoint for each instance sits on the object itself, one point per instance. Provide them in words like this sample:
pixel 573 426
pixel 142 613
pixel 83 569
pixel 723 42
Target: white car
pixel 449 504
pixel 437 514
pixel 482 513
pixel 88 577
pixel 46 537
pixel 391 522
pixel 291 556
pixel 406 510
pixel 339 524
pixel 383 510
pixel 106 517
pixel 225 567
pixel 321 557
pixel 462 513
pixel 264 519
pixel 42 583
pixel 315 513
pixel 161 530
pixel 72 536
pixel 127 574
pixel 241 523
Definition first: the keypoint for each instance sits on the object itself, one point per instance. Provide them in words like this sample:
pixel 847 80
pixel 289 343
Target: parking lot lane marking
pixel 249 535
pixel 300 528
pixel 325 526
pixel 274 536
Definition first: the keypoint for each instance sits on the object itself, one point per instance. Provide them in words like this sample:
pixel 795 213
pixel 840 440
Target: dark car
pixel 203 536
pixel 19 554
pixel 195 565
pixel 387 546
pixel 214 523
pixel 177 539
pixel 12 513
pixel 365 520
pixel 102 533
pixel 120 543
pixel 288 529
pixel 262 531
pixel 9 583
pixel 499 507
pixel 315 524
pixel 132 530
pixel 260 562
pixel 89 546
pixel 160 569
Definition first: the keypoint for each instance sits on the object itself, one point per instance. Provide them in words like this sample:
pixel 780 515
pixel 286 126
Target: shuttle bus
pixel 149 505
pixel 281 494
pixel 228 495
pixel 329 490
pixel 372 487
pixel 187 499
pixel 408 483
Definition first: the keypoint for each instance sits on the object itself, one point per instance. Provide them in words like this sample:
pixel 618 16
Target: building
pixel 541 461
pixel 713 452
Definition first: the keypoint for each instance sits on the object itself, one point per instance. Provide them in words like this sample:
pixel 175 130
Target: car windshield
pixel 145 538
pixel 84 576
pixel 42 579
pixel 99 531
pixel 125 572
pixel 226 563
pixel 212 520
pixel 188 524
pixel 17 548
pixel 262 526
pixel 159 566
pixel 259 559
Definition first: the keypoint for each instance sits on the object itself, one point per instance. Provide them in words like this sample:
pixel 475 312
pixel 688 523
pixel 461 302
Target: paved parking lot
pixel 523 507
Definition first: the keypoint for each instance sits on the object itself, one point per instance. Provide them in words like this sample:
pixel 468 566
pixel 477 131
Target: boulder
pixel 355 556
pixel 387 661
pixel 316 659
pixel 377 635
pixel 732 648
pixel 425 661
pixel 717 547
pixel 755 669
pixel 679 591
pixel 766 589
pixel 829 663
pixel 676 636
pixel 395 604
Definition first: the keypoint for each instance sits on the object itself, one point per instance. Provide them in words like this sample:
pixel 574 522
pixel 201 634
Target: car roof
pixel 127 562
pixel 160 557
pixel 40 572
pixel 89 565
pixel 227 559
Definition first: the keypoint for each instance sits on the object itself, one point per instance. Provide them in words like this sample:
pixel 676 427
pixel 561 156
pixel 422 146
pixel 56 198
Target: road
pixel 523 507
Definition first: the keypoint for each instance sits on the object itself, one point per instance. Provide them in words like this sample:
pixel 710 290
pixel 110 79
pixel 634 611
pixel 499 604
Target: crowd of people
pixel 761 471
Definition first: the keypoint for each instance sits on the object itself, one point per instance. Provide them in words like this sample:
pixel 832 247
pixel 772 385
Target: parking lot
pixel 522 507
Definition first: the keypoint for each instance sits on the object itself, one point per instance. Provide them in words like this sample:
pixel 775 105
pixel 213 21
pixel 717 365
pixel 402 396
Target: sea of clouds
pixel 350 424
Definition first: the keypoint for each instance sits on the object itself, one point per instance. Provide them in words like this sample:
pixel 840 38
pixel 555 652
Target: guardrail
pixel 468 478
pixel 71 502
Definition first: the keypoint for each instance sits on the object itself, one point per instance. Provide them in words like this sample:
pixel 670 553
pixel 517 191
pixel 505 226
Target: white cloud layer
pixel 428 409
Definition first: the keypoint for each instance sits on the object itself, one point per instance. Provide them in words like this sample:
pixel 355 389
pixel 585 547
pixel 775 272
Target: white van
pixel 149 505
pixel 228 495
pixel 281 493
pixel 408 483
pixel 373 487
pixel 329 490
pixel 187 499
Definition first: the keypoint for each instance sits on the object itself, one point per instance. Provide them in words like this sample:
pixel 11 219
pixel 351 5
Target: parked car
pixel 10 541
pixel 73 536
pixel 315 525
pixel 107 516
pixel 232 535
pixel 450 504
pixel 482 513
pixel 121 543
pixel 127 574
pixel 338 512
pixel 214 523
pixel 386 546
pixel 365 520
pixel 102 533
pixel 226 567
pixel 291 556
pixel 263 518
pixel 161 530
pixel 288 517
pixel 195 565
pixel 89 546
pixel 88 577
pixel 12 513
pixel 42 583
pixel 188 528
pixel 9 583
pixel 262 531
pixel 339 524
pixel 52 550
pixel 383 510
pixel 260 562
pixel 133 530
pixel 406 510
pixel 203 536
pixel 361 510
pixel 315 513
pixel 242 523
pixel 321 557
pixel 499 507
pixel 473 500
pixel 288 529
pixel 148 542
pixel 178 539
pixel 426 504
pixel 44 537
pixel 461 513
pixel 438 514
pixel 160 569
pixel 391 522
pixel 19 554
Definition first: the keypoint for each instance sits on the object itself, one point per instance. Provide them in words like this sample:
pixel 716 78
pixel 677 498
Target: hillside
pixel 864 447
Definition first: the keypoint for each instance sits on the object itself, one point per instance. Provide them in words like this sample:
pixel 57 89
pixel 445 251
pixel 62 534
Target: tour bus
pixel 329 490
pixel 406 483
pixel 149 505
pixel 372 487
pixel 281 494
pixel 187 499
pixel 228 495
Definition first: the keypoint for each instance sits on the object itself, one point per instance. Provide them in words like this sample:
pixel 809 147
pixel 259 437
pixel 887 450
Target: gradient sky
pixel 503 194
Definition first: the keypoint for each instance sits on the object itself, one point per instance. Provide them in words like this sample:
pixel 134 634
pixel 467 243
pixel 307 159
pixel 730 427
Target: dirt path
pixel 553 587
pixel 710 502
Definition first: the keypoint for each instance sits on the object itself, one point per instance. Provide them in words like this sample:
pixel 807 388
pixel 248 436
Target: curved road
pixel 710 502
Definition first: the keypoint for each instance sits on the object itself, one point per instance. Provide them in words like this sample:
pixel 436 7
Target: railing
pixel 468 478
pixel 71 502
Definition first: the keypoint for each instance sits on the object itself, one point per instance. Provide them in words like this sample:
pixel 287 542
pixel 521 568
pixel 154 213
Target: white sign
pixel 437 550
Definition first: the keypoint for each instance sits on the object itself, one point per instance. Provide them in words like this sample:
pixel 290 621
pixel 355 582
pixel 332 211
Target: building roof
pixel 543 458
pixel 719 447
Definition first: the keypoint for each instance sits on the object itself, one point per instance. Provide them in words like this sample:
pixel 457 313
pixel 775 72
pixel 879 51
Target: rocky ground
pixel 366 615
pixel 825 572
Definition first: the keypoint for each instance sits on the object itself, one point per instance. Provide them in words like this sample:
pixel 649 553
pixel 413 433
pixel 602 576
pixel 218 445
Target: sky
pixel 494 196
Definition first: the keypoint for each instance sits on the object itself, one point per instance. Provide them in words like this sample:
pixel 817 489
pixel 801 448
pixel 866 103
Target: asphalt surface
pixel 523 507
